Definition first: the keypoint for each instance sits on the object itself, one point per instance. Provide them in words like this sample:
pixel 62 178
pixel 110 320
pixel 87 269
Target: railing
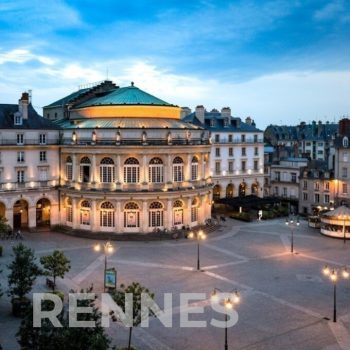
pixel 12 186
pixel 237 141
pixel 25 142
pixel 136 142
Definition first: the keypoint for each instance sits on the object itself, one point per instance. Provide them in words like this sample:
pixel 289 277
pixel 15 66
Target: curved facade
pixel 132 173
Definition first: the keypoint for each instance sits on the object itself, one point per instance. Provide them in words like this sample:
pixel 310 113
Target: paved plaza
pixel 285 298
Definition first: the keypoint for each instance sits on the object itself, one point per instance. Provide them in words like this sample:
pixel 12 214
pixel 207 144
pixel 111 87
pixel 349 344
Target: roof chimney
pixel 200 113
pixel 23 105
pixel 226 112
pixel 185 111
pixel 248 120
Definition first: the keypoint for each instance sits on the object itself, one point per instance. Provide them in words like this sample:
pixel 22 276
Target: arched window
pixel 345 142
pixel 107 170
pixel 69 210
pixel 85 169
pixel 131 215
pixel 178 212
pixel 178 169
pixel 216 192
pixel 85 207
pixel 194 169
pixel 255 189
pixel 229 191
pixel 194 210
pixel 242 189
pixel 131 170
pixel 107 214
pixel 69 169
pixel 155 172
pixel 156 213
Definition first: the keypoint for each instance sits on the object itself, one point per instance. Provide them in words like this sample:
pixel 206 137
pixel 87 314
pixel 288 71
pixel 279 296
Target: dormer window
pixel 18 119
pixel 345 142
pixel 212 122
pixel 226 122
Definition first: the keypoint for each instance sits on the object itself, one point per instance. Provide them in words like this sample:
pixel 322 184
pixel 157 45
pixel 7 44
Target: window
pixel 305 185
pixel 131 215
pixel 345 188
pixel 277 176
pixel 320 152
pixel 55 115
pixel 243 166
pixel 285 193
pixel 178 212
pixel 276 191
pixel 326 186
pixel 255 138
pixel 43 175
pixel 226 122
pixel 345 157
pixel 131 171
pixel 18 119
pixel 256 168
pixel 107 215
pixel 217 152
pixel 230 152
pixel 107 170
pixel 345 172
pixel 194 210
pixel 243 152
pixel 326 198
pixel 178 169
pixel 85 207
pixel 85 169
pixel 345 142
pixel 194 169
pixel 155 170
pixel 20 176
pixel 242 138
pixel 155 214
pixel 229 138
pixel 320 144
pixel 230 166
pixel 305 196
pixel 69 169
pixel 42 139
pixel 317 186
pixel 69 210
pixel 42 156
pixel 20 139
pixel 317 198
pixel 217 168
pixel 20 157
pixel 256 151
pixel 217 138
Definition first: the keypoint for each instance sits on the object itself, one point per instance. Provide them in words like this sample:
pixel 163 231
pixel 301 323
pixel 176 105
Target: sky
pixel 280 62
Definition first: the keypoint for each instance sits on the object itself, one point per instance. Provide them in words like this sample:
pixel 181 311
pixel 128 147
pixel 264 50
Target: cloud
pixel 21 55
pixel 331 11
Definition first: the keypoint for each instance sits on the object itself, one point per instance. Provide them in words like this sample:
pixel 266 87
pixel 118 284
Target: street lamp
pixel 200 235
pixel 107 249
pixel 332 274
pixel 292 224
pixel 229 302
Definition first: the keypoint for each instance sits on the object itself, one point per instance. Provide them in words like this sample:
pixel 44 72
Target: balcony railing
pixel 238 141
pixel 28 185
pixel 4 142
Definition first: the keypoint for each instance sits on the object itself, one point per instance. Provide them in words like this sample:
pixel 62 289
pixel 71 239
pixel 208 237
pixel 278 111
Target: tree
pixel 136 289
pixel 23 272
pixel 68 338
pixel 55 265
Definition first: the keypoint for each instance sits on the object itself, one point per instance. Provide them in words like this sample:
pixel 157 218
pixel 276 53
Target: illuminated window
pixel 131 171
pixel 69 169
pixel 156 170
pixel 107 170
pixel 178 169
pixel 178 212
pixel 194 210
pixel 194 169
pixel 156 212
pixel 131 215
pixel 107 214
pixel 85 208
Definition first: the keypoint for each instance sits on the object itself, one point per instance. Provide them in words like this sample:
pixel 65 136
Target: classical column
pixel 169 215
pixel 204 167
pixel 187 212
pixel 144 218
pixel 93 170
pixel 167 170
pixel 94 216
pixel 9 216
pixel 119 218
pixel 76 213
pixel 188 168
pixel 75 170
pixel 143 172
pixel 32 216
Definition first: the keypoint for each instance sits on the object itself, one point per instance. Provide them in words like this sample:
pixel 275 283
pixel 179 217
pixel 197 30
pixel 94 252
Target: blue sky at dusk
pixel 277 61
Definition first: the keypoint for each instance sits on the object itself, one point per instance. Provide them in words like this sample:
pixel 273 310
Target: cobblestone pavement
pixel 285 298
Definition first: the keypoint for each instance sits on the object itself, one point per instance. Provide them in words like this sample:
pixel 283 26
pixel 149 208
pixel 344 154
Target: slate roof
pixel 126 123
pixel 63 101
pixel 130 95
pixel 34 121
pixel 236 123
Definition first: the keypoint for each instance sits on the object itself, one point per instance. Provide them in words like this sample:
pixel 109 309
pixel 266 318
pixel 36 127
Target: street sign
pixel 111 278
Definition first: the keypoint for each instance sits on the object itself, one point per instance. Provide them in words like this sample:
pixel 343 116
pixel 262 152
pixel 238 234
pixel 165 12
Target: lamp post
pixel 229 302
pixel 107 249
pixel 332 274
pixel 200 235
pixel 292 224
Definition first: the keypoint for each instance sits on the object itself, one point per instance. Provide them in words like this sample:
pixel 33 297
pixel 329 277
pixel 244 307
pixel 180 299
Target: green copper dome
pixel 130 95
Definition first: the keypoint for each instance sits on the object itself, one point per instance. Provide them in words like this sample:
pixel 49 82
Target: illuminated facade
pixel 128 163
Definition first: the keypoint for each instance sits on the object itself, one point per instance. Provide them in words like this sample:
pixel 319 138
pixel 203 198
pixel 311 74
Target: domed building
pixel 128 163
